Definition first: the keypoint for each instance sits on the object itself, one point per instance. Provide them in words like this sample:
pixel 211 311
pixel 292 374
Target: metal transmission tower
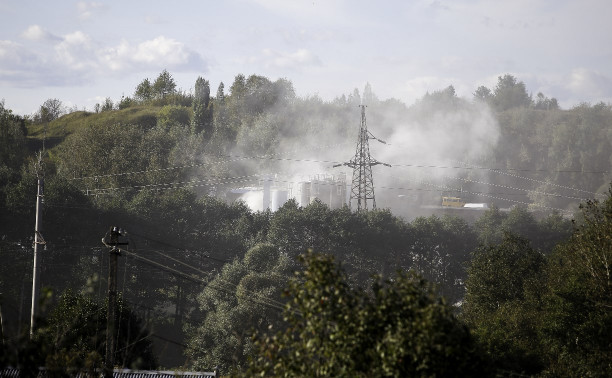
pixel 362 187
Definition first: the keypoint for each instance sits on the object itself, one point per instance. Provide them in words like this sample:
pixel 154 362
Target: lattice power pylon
pixel 362 187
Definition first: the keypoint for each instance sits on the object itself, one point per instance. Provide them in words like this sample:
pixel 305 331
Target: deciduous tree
pixel 399 328
pixel 164 85
pixel 244 296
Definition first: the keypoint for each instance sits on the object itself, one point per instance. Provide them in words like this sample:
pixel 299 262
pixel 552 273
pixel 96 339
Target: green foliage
pixel 483 94
pixel 439 250
pixel 144 91
pixel 489 226
pixel 125 102
pixel 545 103
pixel 510 93
pixel 72 338
pixel 243 297
pixel 164 85
pixel 400 328
pixel 502 302
pixel 501 273
pixel 12 149
pixel 107 105
pixel 171 115
pixel 203 108
pixel 546 315
pixel 577 325
pixel 51 109
pixel 113 150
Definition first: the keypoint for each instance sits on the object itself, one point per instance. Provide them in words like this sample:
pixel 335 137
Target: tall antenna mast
pixel 362 186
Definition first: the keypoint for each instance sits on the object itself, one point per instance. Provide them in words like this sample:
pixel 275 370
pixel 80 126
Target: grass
pixel 57 130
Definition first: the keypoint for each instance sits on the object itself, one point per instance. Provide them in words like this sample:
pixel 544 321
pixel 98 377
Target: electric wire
pixel 274 157
pixel 488 195
pixel 179 183
pixel 229 159
pixel 443 187
pixel 514 188
pixel 266 302
pixel 535 180
pixel 208 256
pixel 243 179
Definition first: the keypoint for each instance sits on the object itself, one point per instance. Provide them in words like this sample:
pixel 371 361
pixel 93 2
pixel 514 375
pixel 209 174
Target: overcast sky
pixel 82 52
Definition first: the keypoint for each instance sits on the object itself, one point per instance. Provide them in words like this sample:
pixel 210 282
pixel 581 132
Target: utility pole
pixel 362 186
pixel 112 242
pixel 38 240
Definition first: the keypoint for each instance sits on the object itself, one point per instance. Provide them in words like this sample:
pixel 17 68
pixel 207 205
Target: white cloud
pixel 37 33
pixel 160 52
pixel 14 57
pixel 10 53
pixel 76 52
pixel 78 59
pixel 162 49
pixel 25 68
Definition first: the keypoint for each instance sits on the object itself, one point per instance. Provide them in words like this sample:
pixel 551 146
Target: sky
pixel 82 52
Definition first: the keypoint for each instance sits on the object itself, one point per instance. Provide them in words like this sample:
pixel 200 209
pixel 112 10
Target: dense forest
pixel 407 289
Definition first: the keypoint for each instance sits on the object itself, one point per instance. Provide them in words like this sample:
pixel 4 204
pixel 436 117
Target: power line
pixel 499 169
pixel 535 180
pixel 176 185
pixel 514 188
pixel 234 158
pixel 268 302
pixel 231 159
pixel 486 194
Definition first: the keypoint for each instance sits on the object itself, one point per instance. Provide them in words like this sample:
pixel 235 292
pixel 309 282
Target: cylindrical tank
pixel 304 194
pixel 279 197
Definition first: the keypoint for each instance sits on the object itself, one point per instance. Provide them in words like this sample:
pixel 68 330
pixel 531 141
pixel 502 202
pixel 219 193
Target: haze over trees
pixel 516 287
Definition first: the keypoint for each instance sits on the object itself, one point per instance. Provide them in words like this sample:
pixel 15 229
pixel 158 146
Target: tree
pixel 238 87
pixel 108 105
pixel 510 93
pixel 521 222
pixel 577 325
pixel 489 225
pixel 202 109
pixel 439 250
pixel 13 134
pixel 13 153
pixel 72 337
pixel 220 98
pixel 144 91
pixel 399 328
pixel 369 98
pixel 500 273
pixel 125 102
pixel 354 99
pixel 243 297
pixel 545 103
pixel 483 94
pixel 164 85
pixel 503 288
pixel 50 110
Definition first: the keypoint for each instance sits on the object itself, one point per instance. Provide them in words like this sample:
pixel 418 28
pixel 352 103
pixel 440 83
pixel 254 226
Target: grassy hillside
pixel 57 130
